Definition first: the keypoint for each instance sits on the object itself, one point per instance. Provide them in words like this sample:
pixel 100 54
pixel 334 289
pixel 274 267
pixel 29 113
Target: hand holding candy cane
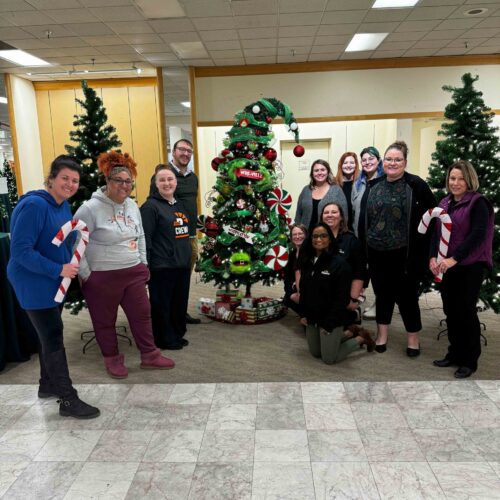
pixel 70 270
pixel 444 240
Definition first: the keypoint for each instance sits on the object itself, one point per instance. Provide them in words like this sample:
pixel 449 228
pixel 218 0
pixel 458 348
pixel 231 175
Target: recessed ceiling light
pixel 3 100
pixel 22 58
pixel 365 41
pixel 393 4
pixel 475 12
pixel 186 104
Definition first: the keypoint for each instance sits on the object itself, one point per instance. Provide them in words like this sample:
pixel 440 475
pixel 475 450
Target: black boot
pixel 70 405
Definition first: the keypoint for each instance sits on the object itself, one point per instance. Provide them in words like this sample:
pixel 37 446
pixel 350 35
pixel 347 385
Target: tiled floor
pixel 312 440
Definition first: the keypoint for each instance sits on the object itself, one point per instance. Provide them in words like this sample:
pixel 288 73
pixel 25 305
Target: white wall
pixel 343 93
pixel 28 136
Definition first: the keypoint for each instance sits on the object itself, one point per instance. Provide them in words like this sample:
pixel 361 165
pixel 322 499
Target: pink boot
pixel 155 359
pixel 115 366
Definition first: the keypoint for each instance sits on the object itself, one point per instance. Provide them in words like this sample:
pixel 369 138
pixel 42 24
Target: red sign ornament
pixel 249 174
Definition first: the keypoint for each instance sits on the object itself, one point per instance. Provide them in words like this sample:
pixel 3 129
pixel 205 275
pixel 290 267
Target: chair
pixel 118 328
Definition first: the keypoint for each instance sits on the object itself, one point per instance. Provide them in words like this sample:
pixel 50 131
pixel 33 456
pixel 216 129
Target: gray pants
pixel 329 346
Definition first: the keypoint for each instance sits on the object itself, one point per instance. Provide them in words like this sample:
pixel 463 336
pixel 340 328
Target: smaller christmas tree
pixel 93 137
pixel 9 174
pixel 469 135
pixel 247 238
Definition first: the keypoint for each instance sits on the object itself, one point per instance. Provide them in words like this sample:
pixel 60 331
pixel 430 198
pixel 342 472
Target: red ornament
pixel 270 154
pixel 299 151
pixel 244 123
pixel 258 132
pixel 211 229
pixel 216 260
pixel 238 145
pixel 225 152
pixel 268 119
pixel 249 156
pixel 216 162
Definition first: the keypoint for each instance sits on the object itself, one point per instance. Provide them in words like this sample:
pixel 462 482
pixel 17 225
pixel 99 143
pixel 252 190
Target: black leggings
pixel 49 327
pixel 393 285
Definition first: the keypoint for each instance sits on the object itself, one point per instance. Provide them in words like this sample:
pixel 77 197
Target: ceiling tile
pixel 14 6
pixel 460 42
pixel 98 59
pixel 492 42
pixel 290 42
pixel 4 22
pixel 431 44
pixel 71 16
pixel 483 50
pixel 103 40
pixel 261 21
pixel 492 22
pixel 151 48
pixel 476 2
pixel 290 6
pixel 139 38
pixel 332 39
pixel 238 61
pixel 400 45
pixel 160 56
pixel 419 26
pixel 306 19
pixel 211 36
pixel 126 27
pixel 70 41
pixel 89 29
pixel 107 3
pixel 387 54
pixel 115 14
pixel 198 62
pixel 41 31
pixel 432 3
pixel 202 8
pixel 337 29
pixel 348 4
pixel 125 57
pixel 209 23
pixel 430 13
pixel 292 59
pixel 324 57
pixel 344 16
pixel 348 56
pixel 420 52
pixel 443 35
pixel 61 60
pixel 29 43
pixel 326 49
pixel 377 27
pixel 451 51
pixel 223 45
pixel 226 54
pixel 117 49
pixel 172 25
pixel 284 51
pixel 386 15
pixel 457 24
pixel 13 34
pixel 413 35
pixel 478 33
pixel 287 31
pixel 261 60
pixel 251 7
pixel 256 33
pixel 259 43
pixel 269 51
pixel 55 4
pixel 28 18
pixel 190 36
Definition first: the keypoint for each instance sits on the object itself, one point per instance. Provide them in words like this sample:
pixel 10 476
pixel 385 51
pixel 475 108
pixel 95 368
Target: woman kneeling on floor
pixel 325 285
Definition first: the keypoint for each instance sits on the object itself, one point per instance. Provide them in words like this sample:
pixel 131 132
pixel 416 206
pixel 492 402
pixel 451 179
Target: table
pixel 18 338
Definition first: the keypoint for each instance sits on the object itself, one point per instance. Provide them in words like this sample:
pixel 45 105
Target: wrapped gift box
pixel 268 312
pixel 224 312
pixel 206 306
pixel 231 296
pixel 246 316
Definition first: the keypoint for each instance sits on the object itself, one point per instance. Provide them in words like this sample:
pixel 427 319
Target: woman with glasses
pixel 113 271
pixel 322 189
pixel 325 286
pixel 397 253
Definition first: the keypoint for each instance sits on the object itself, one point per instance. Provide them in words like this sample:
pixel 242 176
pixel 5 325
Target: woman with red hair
pixel 347 173
pixel 114 270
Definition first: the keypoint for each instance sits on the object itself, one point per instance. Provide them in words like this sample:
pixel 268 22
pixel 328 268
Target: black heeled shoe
pixel 412 353
pixel 381 348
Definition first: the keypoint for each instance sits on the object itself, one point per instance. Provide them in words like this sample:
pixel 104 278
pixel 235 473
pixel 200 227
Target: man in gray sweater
pixel 187 192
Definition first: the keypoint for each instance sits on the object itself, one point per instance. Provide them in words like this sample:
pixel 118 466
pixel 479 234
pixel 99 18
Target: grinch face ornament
pixel 239 263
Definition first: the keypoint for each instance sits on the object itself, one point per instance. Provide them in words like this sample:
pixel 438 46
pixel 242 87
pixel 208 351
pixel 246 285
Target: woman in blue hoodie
pixel 35 270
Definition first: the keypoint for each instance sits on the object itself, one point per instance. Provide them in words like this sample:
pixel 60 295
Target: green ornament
pixel 283 239
pixel 239 263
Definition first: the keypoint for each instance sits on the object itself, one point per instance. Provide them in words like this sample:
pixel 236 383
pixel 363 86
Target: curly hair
pixel 107 162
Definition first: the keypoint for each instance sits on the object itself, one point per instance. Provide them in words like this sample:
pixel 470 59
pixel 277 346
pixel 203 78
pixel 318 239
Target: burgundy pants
pixel 104 291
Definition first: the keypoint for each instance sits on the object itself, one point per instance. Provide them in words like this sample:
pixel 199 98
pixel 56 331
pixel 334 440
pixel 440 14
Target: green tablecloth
pixel 5 223
pixel 17 336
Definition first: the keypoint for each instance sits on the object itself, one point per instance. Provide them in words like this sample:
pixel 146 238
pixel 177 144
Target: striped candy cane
pixel 72 225
pixel 446 226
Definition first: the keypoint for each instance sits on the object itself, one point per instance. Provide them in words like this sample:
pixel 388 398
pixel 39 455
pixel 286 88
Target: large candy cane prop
pixel 72 225
pixel 446 226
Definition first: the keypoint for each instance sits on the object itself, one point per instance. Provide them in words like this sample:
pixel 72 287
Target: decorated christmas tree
pixel 469 135
pixel 9 174
pixel 92 137
pixel 246 241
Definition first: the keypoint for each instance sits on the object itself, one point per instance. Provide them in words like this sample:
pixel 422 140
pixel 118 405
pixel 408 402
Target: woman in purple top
pixel 470 252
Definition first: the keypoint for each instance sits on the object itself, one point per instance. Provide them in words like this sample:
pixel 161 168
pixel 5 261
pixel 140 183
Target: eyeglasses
pixel 185 151
pixel 123 182
pixel 322 236
pixel 394 160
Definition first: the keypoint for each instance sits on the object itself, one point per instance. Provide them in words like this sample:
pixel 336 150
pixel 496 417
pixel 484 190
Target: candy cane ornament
pixel 66 229
pixel 444 240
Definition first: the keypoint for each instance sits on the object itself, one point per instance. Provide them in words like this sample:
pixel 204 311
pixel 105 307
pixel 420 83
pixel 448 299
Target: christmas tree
pixel 469 135
pixel 246 240
pixel 8 173
pixel 93 137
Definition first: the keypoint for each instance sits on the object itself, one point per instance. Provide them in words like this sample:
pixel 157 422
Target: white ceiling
pixel 96 34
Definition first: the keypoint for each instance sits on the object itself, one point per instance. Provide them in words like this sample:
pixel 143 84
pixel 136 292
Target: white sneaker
pixel 370 312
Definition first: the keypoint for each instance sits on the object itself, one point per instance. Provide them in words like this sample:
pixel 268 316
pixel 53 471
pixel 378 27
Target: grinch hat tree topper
pixel 246 241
